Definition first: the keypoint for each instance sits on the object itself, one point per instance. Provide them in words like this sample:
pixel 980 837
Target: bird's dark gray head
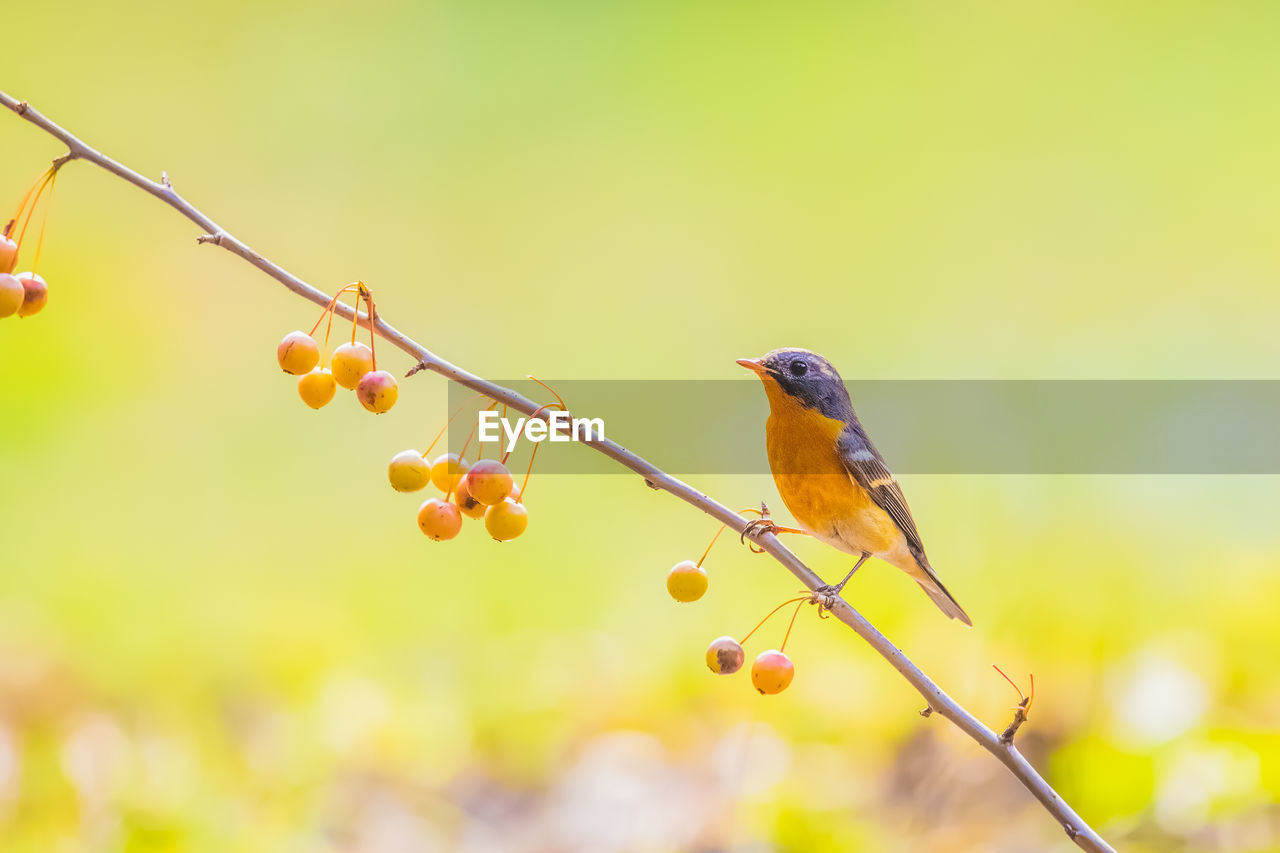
pixel 807 377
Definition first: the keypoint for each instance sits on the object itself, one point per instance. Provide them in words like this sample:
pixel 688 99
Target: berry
pixel 377 391
pixel 725 656
pixel 350 363
pixel 408 471
pixel 506 520
pixel 12 294
pixel 439 519
pixel 37 294
pixel 317 387
pixel 772 672
pixel 447 471
pixel 298 353
pixel 470 507
pixel 687 581
pixel 8 254
pixel 489 481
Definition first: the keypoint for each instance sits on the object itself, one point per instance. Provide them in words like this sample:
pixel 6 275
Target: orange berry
pixel 470 507
pixel 298 353
pixel 489 481
pixel 772 672
pixel 439 519
pixel 8 254
pixel 506 520
pixel 350 363
pixel 447 471
pixel 317 387
pixel 377 391
pixel 725 656
pixel 687 581
pixel 408 471
pixel 36 296
pixel 12 294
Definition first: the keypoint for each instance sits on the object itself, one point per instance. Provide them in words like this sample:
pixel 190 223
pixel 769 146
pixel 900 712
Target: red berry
pixel 506 520
pixel 687 581
pixel 470 507
pixel 377 391
pixel 12 294
pixel 408 471
pixel 725 656
pixel 36 296
pixel 298 353
pixel 8 254
pixel 772 672
pixel 317 387
pixel 489 481
pixel 439 519
pixel 350 363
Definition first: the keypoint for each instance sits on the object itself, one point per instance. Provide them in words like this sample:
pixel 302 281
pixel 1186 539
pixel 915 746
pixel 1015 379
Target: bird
pixel 832 479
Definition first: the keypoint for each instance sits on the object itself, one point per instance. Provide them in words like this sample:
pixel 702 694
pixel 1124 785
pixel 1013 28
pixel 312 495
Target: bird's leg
pixel 766 525
pixel 828 591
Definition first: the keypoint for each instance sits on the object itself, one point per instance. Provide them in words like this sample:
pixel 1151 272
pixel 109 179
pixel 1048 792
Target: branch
pixel 938 701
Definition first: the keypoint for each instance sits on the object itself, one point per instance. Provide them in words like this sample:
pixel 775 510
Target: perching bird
pixel 831 477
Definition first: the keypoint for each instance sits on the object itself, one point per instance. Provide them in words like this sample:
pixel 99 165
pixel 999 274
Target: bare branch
pixel 938 701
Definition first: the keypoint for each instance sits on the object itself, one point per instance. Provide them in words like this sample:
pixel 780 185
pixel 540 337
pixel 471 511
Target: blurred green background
pixel 221 630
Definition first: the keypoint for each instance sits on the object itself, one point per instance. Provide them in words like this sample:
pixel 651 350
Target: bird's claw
pixel 756 528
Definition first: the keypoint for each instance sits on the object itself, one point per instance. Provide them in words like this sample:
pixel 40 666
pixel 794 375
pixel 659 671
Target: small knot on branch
pixel 165 182
pixel 417 368
pixel 926 711
pixel 215 239
pixel 651 484
pixel 21 108
pixel 1020 710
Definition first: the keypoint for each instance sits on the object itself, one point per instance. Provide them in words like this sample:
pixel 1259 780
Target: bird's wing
pixel 867 468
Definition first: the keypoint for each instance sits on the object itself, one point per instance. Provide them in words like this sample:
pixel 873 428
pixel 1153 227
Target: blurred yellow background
pixel 219 627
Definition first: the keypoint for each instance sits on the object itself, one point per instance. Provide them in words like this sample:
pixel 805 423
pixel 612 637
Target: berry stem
pixel 445 428
pixel 802 599
pixel 44 221
pixel 328 309
pixel 465 445
pixel 749 509
pixel 534 454
pixel 792 624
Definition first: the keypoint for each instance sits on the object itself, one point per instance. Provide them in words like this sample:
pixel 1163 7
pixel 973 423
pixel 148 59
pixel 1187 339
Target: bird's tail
pixel 939 595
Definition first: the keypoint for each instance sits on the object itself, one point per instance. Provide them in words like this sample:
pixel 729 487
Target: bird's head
pixel 802 376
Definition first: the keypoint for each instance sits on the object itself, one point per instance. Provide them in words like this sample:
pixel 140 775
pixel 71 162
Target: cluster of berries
pixel 26 293
pixel 353 365
pixel 481 489
pixel 772 670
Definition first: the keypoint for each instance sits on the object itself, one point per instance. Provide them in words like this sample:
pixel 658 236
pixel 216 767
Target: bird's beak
pixel 754 366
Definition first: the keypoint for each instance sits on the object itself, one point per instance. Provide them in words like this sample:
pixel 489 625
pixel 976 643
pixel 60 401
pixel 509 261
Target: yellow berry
pixel 469 506
pixel 506 520
pixel 439 519
pixel 489 481
pixel 298 353
pixel 36 294
pixel 725 656
pixel 772 672
pixel 350 363
pixel 317 387
pixel 8 254
pixel 12 294
pixel 408 471
pixel 687 581
pixel 447 471
pixel 377 391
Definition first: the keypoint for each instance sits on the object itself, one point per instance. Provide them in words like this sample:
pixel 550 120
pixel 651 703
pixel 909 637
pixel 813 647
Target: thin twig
pixel 210 232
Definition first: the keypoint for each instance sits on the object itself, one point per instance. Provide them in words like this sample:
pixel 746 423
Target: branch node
pixel 215 239
pixel 417 368
pixel 164 180
pixel 926 711
pixel 651 484
pixel 21 108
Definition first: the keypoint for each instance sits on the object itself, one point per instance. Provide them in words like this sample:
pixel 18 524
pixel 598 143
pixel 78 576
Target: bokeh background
pixel 221 630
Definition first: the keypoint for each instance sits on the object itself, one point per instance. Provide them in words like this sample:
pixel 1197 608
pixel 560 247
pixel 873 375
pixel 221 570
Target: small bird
pixel 830 475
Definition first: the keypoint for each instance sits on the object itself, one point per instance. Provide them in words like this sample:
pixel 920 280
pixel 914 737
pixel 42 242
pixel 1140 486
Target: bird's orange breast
pixel 814 483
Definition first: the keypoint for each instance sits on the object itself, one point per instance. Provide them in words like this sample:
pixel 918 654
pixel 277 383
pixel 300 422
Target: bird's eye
pixel 799 367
